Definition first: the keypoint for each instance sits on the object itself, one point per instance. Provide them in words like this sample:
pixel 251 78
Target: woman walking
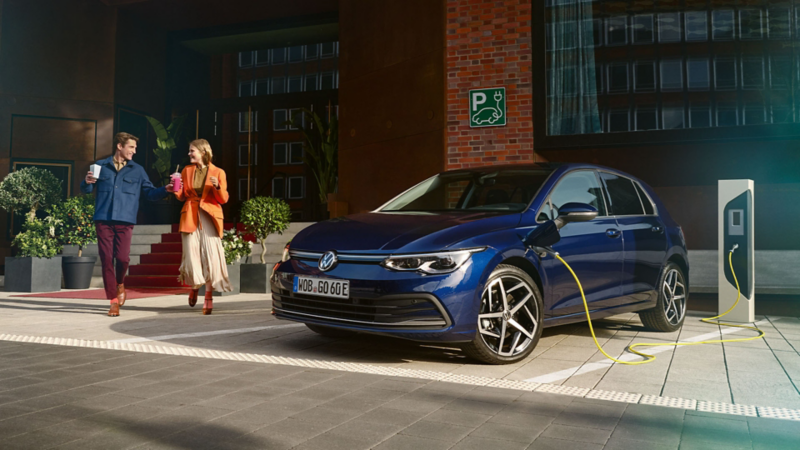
pixel 204 190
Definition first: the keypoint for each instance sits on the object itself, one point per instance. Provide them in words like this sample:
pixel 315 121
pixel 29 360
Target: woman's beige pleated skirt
pixel 203 257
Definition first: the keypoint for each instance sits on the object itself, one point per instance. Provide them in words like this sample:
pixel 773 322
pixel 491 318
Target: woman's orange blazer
pixel 210 201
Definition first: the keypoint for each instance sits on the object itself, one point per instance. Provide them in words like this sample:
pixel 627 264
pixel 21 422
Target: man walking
pixel 119 184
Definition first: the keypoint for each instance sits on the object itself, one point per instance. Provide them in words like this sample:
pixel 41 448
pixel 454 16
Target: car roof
pixel 549 166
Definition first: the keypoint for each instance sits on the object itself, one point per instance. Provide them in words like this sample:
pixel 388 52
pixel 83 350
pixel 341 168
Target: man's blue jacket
pixel 118 193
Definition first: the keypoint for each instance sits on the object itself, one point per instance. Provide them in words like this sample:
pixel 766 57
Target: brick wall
pixel 489 45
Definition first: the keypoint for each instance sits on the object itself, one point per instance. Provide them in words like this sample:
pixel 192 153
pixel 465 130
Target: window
pixel 245 59
pixel 782 114
pixel 671 75
pixel 296 187
pixel 646 119
pixel 262 57
pixel 243 155
pixel 295 53
pixel 311 82
pixel 328 50
pixel 296 153
pixel 750 24
pixel 312 51
pixel 262 86
pixel 699 116
pixel 569 34
pixel 725 73
pixel 618 77
pixel 697 71
pixel 328 81
pixel 644 76
pixel 278 188
pixel 280 154
pixel 727 115
pixel 243 188
pixel 669 27
pixel 618 120
pixel 279 119
pixel 780 72
pixel 295 84
pixel 642 27
pixel 754 114
pixel 672 117
pixel 722 25
pixel 243 122
pixel 616 30
pixel 752 73
pixel 278 85
pixel 622 193
pixel 696 25
pixel 649 209
pixel 296 115
pixel 592 33
pixel 245 89
pixel 278 56
pixel 779 24
pixel 577 187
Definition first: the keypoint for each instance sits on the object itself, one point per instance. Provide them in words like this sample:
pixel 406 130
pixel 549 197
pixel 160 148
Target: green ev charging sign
pixel 487 107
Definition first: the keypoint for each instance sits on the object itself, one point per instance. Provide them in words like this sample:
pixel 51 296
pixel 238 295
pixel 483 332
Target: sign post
pixel 487 107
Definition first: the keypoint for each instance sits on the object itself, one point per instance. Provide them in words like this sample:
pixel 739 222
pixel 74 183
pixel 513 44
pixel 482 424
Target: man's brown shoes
pixel 121 294
pixel 114 311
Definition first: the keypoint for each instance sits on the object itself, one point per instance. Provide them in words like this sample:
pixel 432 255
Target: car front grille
pixel 407 311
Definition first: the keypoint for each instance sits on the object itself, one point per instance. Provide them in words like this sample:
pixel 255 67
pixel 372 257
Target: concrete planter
pixel 78 271
pixel 255 278
pixel 28 274
pixel 234 275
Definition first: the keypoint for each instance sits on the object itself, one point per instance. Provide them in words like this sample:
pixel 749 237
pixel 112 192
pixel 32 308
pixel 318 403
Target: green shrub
pixel 235 246
pixel 76 217
pixel 263 216
pixel 38 238
pixel 28 190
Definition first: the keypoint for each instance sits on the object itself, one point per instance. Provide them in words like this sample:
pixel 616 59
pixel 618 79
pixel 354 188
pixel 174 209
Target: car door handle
pixel 657 229
pixel 612 233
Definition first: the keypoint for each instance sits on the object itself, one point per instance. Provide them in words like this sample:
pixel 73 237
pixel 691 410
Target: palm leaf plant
pixel 166 143
pixel 321 148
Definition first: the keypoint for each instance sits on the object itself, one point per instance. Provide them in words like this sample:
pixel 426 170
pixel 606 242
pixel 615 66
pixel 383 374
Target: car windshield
pixel 491 190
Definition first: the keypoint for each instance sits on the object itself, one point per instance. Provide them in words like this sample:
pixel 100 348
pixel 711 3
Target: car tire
pixel 670 310
pixel 330 331
pixel 507 332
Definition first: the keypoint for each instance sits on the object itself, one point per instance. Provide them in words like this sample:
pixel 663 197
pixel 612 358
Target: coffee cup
pixel 95 169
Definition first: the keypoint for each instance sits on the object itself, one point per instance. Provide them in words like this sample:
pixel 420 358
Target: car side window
pixel 646 202
pixel 577 187
pixel 622 193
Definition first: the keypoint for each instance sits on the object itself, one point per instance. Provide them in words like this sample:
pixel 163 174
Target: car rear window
pixel 624 199
pixel 648 205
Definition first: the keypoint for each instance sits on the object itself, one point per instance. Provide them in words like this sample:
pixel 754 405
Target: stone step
pixel 151 229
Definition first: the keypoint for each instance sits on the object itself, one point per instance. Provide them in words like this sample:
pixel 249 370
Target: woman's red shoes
pixel 193 297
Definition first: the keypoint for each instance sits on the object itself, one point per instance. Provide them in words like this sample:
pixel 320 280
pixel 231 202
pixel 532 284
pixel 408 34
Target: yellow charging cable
pixel 650 358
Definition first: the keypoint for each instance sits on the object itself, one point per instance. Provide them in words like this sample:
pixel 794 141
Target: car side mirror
pixel 575 212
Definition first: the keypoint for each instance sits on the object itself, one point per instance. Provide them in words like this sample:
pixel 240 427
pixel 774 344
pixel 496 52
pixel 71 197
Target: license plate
pixel 322 286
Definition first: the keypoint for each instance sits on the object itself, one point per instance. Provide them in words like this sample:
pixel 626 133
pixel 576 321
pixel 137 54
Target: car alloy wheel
pixel 674 291
pixel 509 320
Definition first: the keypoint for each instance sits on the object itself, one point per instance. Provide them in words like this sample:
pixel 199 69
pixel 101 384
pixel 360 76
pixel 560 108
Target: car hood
pixel 399 232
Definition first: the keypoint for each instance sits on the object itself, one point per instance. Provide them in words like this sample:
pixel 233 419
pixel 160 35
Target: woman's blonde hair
pixel 205 149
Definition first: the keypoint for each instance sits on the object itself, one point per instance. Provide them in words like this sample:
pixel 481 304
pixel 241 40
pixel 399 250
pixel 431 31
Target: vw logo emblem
pixel 328 261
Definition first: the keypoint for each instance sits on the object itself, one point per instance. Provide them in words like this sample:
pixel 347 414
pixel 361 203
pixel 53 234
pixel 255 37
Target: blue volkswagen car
pixel 465 258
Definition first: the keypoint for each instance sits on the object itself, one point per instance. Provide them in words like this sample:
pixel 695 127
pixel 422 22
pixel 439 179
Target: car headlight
pixel 432 263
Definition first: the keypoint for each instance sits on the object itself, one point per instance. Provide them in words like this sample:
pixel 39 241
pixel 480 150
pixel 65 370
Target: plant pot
pixel 78 271
pixel 234 275
pixel 28 274
pixel 255 278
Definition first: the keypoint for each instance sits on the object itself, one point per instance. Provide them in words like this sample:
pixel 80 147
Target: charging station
pixel 736 233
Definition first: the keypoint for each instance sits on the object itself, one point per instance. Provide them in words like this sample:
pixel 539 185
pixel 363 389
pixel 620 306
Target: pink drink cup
pixel 176 181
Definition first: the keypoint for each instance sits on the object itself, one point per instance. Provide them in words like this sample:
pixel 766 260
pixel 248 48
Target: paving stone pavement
pixel 79 398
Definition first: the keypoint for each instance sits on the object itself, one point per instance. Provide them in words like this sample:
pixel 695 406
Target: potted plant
pixel 29 190
pixel 76 228
pixel 35 269
pixel 236 248
pixel 262 216
pixel 321 151
pixel 167 139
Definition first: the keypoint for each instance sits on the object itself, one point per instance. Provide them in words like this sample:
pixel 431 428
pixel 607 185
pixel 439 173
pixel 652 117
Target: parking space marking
pixel 168 337
pixel 591 367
